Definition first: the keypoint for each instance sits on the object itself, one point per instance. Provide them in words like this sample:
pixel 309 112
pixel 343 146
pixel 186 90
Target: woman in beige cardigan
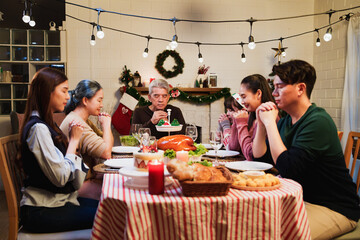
pixel 86 100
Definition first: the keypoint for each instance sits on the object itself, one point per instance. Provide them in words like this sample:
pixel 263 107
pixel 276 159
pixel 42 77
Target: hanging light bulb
pixel 174 42
pixel 328 34
pixel 251 44
pixel 318 43
pixel 32 22
pixel 243 58
pixel 100 34
pixel 26 16
pixel 145 53
pixel 92 40
pixel 200 57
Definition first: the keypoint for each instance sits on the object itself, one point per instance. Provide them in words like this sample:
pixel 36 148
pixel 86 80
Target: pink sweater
pixel 241 138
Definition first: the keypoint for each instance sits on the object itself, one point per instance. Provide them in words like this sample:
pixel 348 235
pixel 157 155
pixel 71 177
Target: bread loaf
pixel 197 172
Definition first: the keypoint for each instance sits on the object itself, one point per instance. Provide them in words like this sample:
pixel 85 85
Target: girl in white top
pixel 54 172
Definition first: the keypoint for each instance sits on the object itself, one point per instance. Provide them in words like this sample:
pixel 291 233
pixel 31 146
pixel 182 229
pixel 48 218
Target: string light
pixel 92 38
pixel 344 17
pixel 174 41
pixel 200 58
pixel 145 53
pixel 243 58
pixel 318 43
pixel 26 14
pixel 100 34
pixel 328 34
pixel 251 44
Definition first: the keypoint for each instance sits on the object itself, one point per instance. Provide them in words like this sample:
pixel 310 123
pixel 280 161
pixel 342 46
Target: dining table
pixel 129 213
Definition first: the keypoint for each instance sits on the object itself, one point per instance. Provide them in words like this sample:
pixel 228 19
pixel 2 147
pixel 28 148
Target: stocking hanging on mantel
pixel 121 119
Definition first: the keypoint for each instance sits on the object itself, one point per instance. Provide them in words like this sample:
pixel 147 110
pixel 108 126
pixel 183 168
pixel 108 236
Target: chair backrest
pixel 352 149
pixel 340 134
pixel 12 176
pixel 18 118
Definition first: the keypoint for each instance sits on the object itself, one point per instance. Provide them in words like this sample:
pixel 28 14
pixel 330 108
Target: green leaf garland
pixel 183 96
pixel 177 69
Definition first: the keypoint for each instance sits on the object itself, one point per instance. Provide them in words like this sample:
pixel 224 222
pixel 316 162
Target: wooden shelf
pixel 191 91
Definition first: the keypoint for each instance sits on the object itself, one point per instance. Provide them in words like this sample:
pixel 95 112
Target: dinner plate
pixel 222 153
pixel 119 162
pixel 134 172
pixel 125 149
pixel 248 166
pixel 168 128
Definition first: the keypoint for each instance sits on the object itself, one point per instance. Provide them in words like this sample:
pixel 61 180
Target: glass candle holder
pixel 156 177
pixel 182 155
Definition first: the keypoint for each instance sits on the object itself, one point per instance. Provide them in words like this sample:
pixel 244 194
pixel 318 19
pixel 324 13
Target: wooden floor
pixel 4 223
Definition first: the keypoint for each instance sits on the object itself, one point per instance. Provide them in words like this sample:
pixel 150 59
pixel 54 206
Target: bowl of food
pixel 128 140
pixel 254 174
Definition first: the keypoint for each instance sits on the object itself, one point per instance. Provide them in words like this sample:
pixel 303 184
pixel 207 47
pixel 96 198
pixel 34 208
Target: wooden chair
pixel 352 149
pixel 352 141
pixel 340 133
pixel 12 177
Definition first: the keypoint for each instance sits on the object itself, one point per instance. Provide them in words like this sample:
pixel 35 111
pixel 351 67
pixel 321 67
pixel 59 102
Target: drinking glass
pixel 134 131
pixel 153 143
pixel 216 140
pixel 191 131
pixel 144 134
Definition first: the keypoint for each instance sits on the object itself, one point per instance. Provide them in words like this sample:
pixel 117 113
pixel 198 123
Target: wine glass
pixel 134 131
pixel 144 134
pixel 216 140
pixel 191 131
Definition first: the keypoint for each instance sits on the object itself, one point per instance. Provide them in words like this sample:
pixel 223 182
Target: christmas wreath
pixel 177 69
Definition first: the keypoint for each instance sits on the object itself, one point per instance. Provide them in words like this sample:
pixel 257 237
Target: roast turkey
pixel 176 142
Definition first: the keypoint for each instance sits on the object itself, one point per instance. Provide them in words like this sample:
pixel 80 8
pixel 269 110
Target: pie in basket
pixel 263 182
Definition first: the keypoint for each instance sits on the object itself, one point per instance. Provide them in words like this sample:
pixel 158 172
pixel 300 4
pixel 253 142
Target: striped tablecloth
pixel 125 213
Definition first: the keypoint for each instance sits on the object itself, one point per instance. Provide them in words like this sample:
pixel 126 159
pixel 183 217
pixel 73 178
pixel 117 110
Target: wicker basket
pixel 199 188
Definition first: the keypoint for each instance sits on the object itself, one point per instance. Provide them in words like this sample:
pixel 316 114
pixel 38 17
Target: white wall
pixel 104 61
pixel 329 59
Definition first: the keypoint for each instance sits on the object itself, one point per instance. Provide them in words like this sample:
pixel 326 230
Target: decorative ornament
pixel 127 77
pixel 182 96
pixel 175 94
pixel 279 51
pixel 177 69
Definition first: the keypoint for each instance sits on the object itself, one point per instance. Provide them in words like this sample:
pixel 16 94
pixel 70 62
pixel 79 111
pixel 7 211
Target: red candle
pixel 156 177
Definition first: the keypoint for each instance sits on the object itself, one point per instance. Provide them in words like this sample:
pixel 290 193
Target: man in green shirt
pixel 304 146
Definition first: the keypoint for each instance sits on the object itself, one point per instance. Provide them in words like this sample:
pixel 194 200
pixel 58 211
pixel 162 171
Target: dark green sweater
pixel 314 159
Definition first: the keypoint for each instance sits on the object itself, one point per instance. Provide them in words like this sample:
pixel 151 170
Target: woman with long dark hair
pixel 50 200
pixel 254 90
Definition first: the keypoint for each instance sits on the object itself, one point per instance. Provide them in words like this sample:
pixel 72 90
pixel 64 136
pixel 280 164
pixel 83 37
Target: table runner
pixel 125 213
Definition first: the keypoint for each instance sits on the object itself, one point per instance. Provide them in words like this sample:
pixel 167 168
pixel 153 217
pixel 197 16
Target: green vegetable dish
pixel 200 150
pixel 175 122
pixel 128 141
pixel 170 153
pixel 204 162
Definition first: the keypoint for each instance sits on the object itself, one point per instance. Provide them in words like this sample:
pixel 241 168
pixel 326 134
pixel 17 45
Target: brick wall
pixel 329 58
